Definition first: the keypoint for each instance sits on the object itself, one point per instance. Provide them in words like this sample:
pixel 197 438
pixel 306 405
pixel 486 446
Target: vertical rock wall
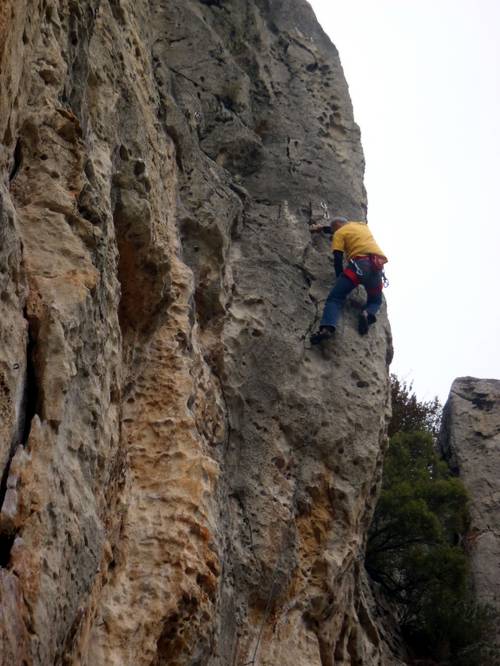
pixel 184 481
pixel 470 440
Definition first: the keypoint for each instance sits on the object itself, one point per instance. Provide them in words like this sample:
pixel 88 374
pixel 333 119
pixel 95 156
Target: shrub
pixel 413 548
pixel 409 414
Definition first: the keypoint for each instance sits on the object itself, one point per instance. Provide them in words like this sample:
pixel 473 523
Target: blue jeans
pixel 358 272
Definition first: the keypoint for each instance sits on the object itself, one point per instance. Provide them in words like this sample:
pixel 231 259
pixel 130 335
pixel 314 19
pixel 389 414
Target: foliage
pixel 457 634
pixel 420 512
pixel 409 414
pixel 413 548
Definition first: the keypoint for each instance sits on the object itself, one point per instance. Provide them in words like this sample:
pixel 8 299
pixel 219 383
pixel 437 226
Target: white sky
pixel 425 85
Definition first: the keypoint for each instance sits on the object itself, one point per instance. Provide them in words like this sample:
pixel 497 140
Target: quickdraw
pixel 358 270
pixel 359 273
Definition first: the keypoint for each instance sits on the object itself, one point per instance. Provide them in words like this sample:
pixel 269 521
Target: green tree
pixel 414 550
pixel 421 512
pixel 409 414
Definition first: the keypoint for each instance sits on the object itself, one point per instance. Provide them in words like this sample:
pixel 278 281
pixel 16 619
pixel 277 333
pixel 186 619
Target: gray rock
pixel 194 482
pixel 470 440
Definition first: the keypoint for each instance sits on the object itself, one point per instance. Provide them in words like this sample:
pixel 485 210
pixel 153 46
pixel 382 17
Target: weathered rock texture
pixel 184 480
pixel 470 440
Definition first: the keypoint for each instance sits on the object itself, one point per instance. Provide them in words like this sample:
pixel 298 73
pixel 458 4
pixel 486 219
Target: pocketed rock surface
pixel 184 480
pixel 470 440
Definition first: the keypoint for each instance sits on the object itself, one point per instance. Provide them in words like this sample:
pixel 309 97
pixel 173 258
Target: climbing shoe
pixel 363 323
pixel 324 333
pixel 366 319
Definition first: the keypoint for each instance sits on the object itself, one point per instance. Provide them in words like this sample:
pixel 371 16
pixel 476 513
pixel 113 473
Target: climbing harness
pixel 358 270
pixel 376 263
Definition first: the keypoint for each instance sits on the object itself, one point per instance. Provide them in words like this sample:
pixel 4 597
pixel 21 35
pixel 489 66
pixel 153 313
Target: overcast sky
pixel 425 85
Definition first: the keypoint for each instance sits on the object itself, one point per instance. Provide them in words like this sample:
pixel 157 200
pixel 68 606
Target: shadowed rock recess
pixel 184 481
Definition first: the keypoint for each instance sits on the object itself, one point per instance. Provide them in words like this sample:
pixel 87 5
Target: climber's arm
pixel 326 228
pixel 338 261
pixel 338 248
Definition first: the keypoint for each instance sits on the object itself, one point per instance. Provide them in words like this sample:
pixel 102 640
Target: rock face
pixel 470 440
pixel 184 480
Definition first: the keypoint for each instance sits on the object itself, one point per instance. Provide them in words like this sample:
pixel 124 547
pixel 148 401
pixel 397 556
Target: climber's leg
pixel 374 301
pixel 333 307
pixel 368 315
pixel 336 299
pixel 373 306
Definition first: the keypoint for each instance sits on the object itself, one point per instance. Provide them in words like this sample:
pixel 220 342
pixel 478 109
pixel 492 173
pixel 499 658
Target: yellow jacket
pixel 355 239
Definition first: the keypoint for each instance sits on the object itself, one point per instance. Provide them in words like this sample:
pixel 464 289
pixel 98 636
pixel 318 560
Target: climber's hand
pixel 318 227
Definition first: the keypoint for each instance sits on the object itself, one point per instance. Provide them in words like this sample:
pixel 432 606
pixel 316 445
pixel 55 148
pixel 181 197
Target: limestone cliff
pixel 470 440
pixel 184 480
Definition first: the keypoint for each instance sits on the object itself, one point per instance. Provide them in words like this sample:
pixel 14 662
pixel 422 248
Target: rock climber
pixel 365 265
